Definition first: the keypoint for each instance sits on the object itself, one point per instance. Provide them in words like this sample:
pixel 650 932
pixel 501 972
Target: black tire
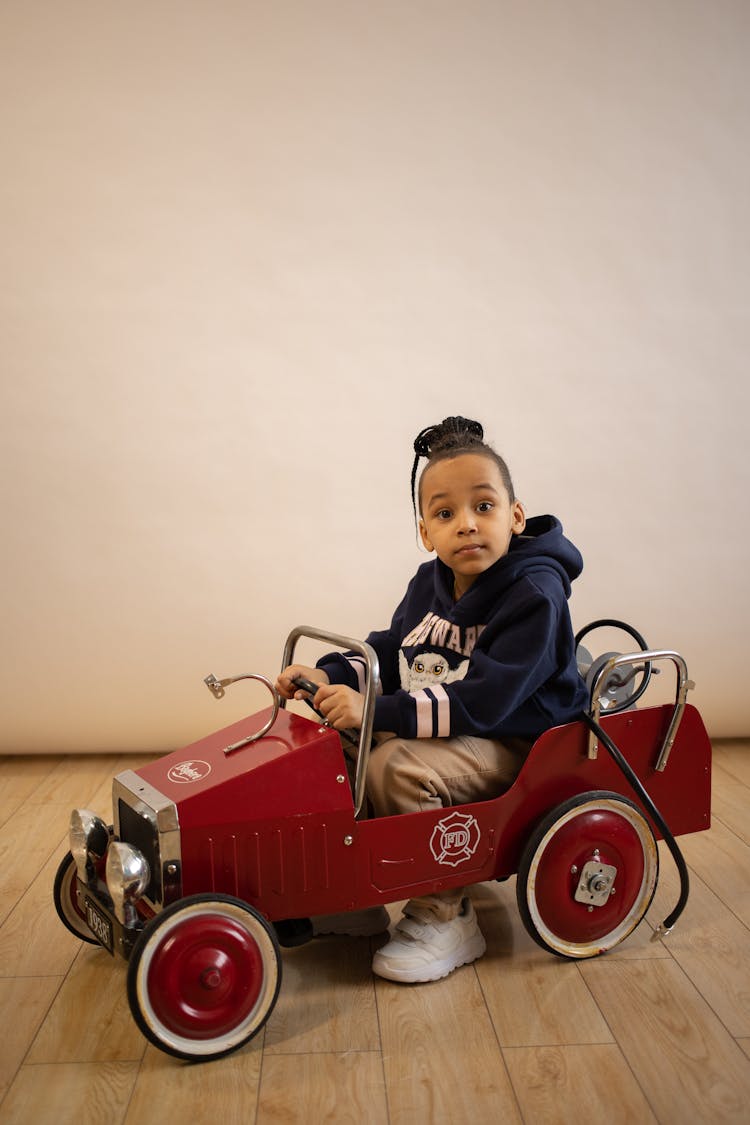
pixel 66 901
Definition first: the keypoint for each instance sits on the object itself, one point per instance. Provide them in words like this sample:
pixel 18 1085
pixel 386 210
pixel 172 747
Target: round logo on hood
pixel 187 772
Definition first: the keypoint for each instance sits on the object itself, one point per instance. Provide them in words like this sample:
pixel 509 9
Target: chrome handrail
pixel 367 652
pixel 684 685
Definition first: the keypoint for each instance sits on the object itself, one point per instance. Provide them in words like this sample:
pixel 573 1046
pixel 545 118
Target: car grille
pixel 139 829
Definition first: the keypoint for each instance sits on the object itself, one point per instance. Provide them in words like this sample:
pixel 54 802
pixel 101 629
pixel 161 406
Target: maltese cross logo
pixel 455 839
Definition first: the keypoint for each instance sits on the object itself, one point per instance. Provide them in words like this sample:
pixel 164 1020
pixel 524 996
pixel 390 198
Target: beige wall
pixel 250 249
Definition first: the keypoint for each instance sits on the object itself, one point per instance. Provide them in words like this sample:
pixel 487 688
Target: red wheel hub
pixel 564 857
pixel 205 977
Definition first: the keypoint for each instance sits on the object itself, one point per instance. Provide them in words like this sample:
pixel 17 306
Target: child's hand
pixel 341 706
pixel 288 690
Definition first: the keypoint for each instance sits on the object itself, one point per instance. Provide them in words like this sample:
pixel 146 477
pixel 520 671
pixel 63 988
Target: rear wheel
pixel 66 900
pixel 587 875
pixel 204 976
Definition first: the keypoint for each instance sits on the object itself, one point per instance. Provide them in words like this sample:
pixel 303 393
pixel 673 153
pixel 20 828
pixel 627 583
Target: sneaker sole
pixel 470 951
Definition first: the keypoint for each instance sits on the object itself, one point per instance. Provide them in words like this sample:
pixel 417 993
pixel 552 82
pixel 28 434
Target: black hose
pixel 655 815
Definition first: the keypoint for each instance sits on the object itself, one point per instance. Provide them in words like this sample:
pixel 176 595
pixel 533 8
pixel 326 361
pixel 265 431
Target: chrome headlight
pixel 89 838
pixel 127 877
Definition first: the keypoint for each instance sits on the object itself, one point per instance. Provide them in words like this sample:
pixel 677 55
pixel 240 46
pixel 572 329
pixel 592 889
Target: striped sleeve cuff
pixel 359 667
pixel 433 712
pixel 419 714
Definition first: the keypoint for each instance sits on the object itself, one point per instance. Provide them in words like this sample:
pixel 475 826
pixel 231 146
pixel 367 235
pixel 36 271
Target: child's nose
pixel 468 521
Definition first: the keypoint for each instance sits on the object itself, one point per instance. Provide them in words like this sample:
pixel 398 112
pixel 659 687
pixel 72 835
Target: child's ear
pixel 518 518
pixel 425 537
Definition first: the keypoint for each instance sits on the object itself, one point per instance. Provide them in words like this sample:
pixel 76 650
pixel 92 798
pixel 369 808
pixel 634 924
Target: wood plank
pixel 440 1055
pixel 27 840
pixel 534 998
pixel 224 1090
pixel 74 781
pixel 24 1003
pixel 568 1085
pixel 711 945
pixel 33 940
pixel 90 1020
pixel 340 1088
pixel 731 802
pixel 687 1064
pixel 722 860
pixel 19 777
pixel 327 999
pixel 72 1094
pixel 734 757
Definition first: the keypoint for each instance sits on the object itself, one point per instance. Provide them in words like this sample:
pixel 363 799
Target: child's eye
pixel 443 514
pixel 485 506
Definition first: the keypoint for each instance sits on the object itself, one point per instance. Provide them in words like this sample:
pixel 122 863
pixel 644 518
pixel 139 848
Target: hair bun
pixel 451 431
pixel 423 441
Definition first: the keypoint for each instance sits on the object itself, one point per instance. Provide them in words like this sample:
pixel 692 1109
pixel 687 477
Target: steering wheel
pixel 311 687
pixel 616 694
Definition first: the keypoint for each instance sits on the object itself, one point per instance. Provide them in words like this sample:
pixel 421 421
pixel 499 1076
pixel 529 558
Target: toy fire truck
pixel 220 854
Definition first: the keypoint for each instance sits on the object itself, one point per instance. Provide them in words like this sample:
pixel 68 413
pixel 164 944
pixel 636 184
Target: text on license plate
pixel 100 925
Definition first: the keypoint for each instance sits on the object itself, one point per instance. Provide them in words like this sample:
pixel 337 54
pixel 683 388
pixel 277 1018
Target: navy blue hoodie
pixel 497 663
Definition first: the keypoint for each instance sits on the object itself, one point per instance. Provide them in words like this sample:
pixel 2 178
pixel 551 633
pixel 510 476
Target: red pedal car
pixel 220 853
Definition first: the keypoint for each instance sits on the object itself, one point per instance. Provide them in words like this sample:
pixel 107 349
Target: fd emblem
pixel 455 839
pixel 185 772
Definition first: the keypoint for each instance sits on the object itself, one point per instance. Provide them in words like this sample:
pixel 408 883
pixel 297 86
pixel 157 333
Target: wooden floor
pixel 654 1032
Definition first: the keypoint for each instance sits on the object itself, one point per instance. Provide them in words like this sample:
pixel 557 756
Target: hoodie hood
pixel 541 551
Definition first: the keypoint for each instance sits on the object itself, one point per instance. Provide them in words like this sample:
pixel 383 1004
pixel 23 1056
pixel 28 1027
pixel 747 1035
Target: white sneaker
pixel 422 951
pixel 354 923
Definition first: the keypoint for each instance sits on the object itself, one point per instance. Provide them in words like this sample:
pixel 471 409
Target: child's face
pixel 467 516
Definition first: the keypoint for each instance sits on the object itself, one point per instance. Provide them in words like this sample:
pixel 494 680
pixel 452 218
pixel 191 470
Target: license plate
pixel 100 925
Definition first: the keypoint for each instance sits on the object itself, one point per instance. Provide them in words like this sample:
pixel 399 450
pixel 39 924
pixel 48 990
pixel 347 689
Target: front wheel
pixel 587 875
pixel 66 900
pixel 204 976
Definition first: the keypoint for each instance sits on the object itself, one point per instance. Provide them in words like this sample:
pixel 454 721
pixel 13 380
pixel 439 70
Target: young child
pixel 478 661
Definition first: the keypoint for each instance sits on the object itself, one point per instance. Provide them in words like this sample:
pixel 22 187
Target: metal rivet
pixel 341 779
pixel 348 840
pixel 574 870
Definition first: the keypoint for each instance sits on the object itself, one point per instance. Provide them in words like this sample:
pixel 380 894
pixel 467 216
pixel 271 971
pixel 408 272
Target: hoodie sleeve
pixel 515 656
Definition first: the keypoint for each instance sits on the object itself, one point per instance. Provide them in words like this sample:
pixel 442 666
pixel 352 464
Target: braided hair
pixel 451 438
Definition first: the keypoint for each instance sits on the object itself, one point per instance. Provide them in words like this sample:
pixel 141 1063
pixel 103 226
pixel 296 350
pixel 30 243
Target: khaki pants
pixel 412 775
